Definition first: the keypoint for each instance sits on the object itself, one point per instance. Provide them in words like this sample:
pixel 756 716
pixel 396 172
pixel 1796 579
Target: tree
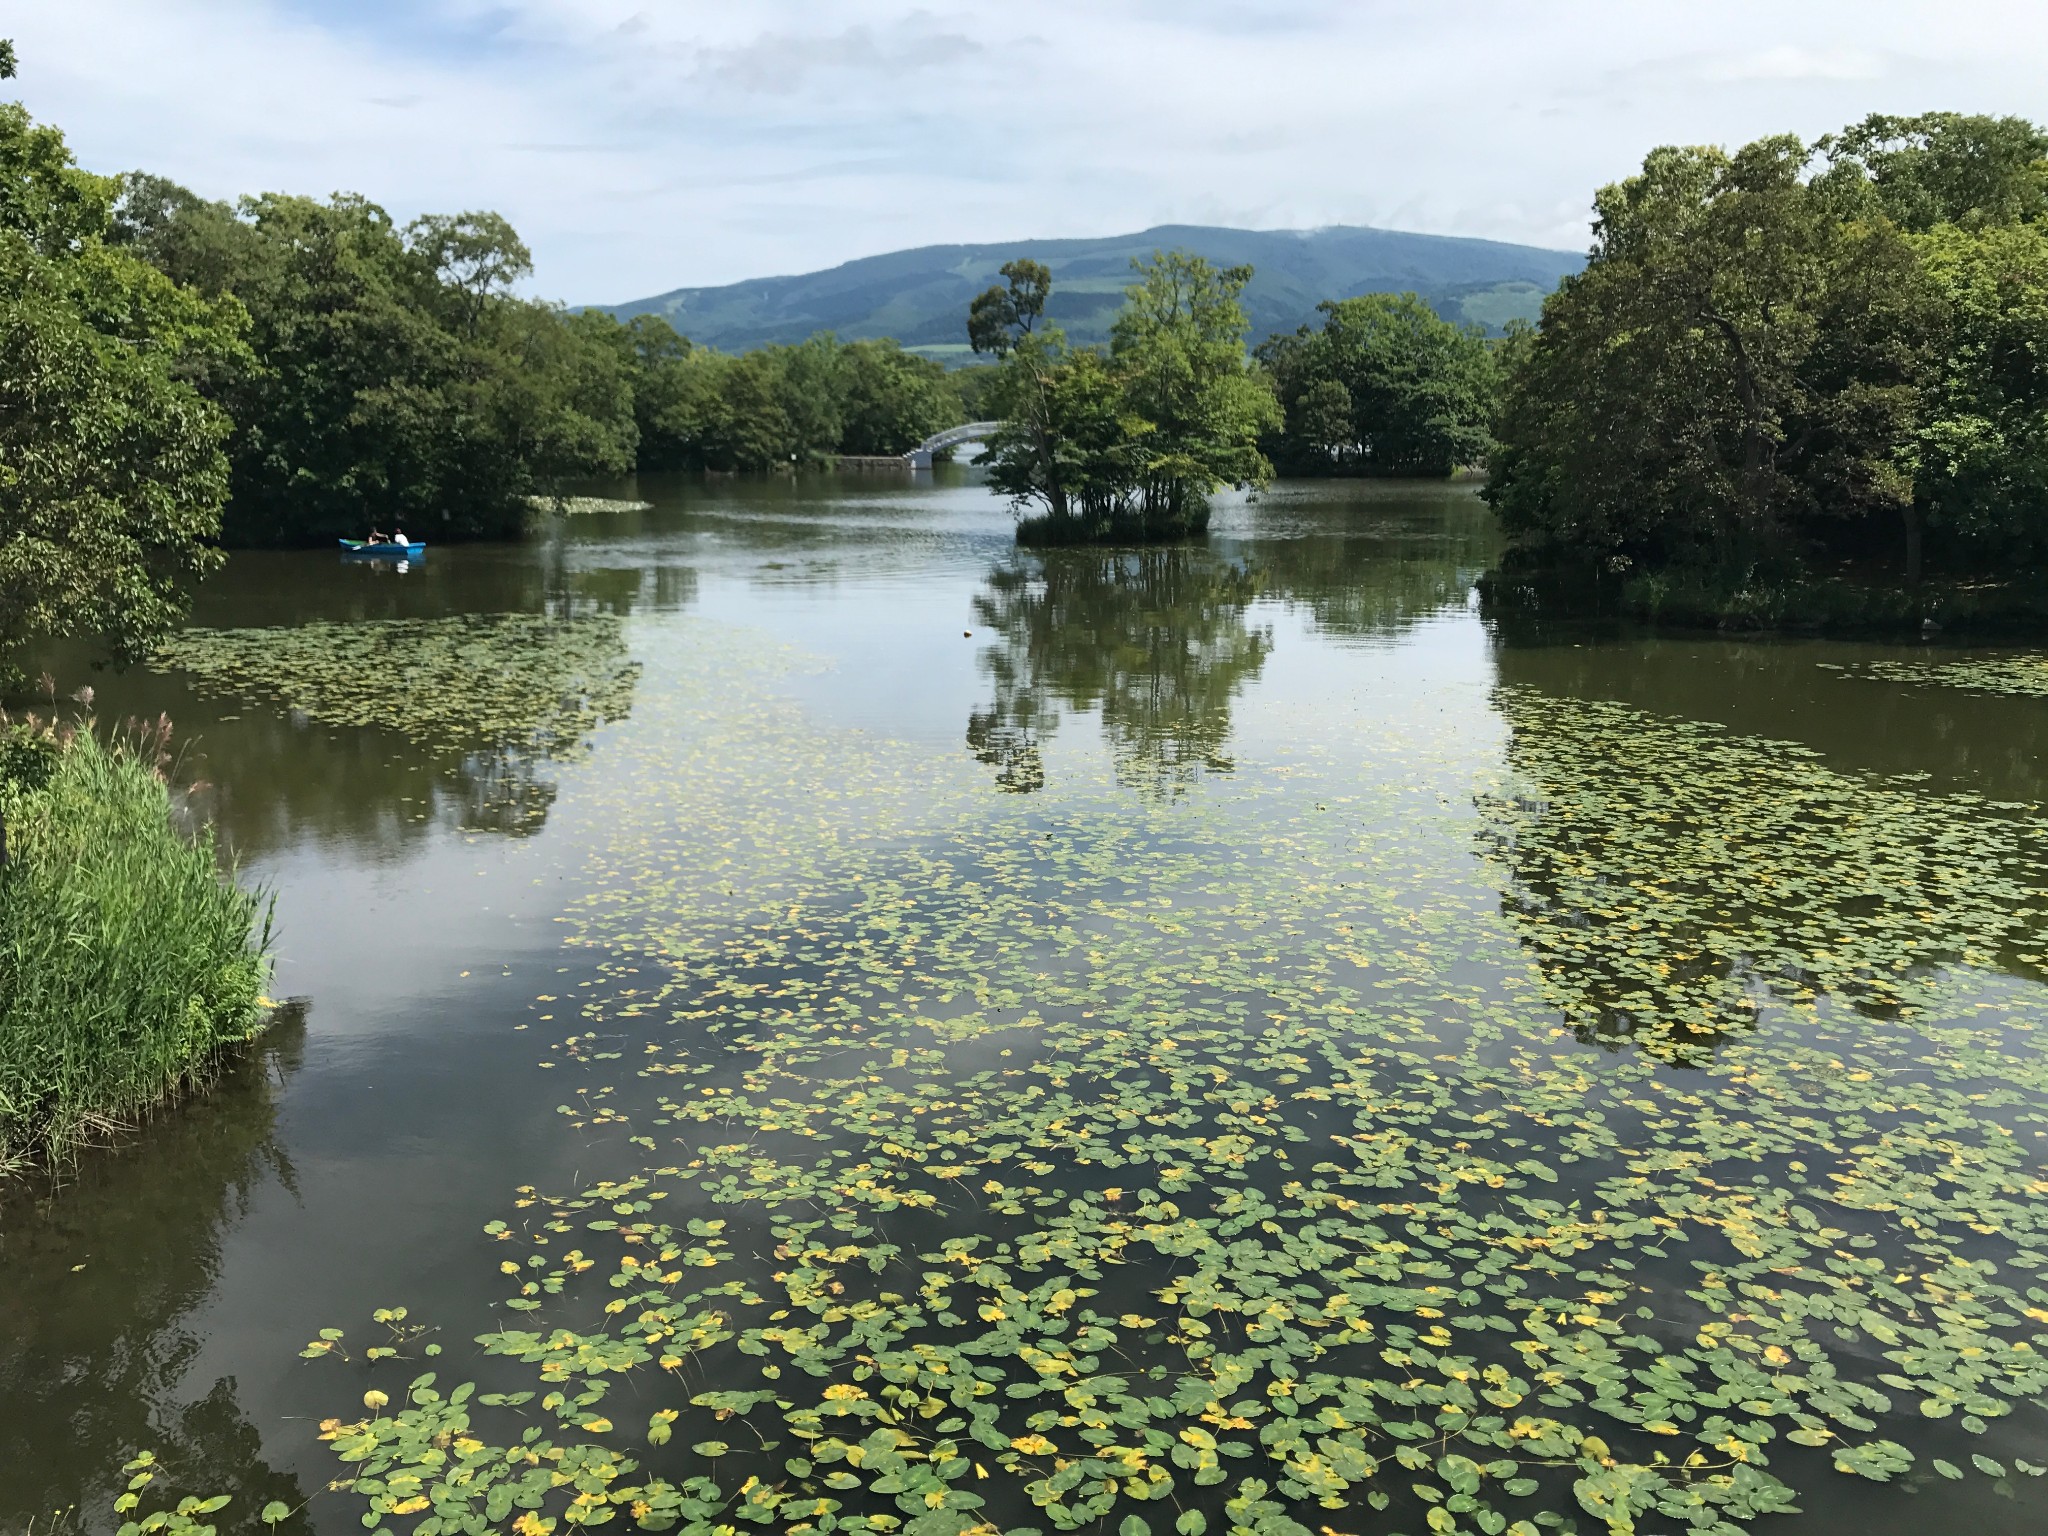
pixel 1973 191
pixel 973 384
pixel 1386 386
pixel 893 400
pixel 366 407
pixel 1085 444
pixel 659 371
pixel 1128 447
pixel 396 377
pixel 1001 317
pixel 476 256
pixel 1025 456
pixel 1983 449
pixel 1938 168
pixel 1179 345
pixel 699 409
pixel 1735 374
pixel 745 425
pixel 112 474
pixel 192 241
pixel 809 382
pixel 7 59
pixel 566 398
pixel 1322 429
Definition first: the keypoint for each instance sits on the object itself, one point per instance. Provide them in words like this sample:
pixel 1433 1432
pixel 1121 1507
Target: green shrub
pixel 28 756
pixel 127 963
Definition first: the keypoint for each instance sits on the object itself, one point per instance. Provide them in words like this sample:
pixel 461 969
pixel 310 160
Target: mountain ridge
pixel 920 295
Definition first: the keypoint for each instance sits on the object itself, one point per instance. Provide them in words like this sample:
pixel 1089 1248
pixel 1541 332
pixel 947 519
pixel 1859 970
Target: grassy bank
pixel 127 963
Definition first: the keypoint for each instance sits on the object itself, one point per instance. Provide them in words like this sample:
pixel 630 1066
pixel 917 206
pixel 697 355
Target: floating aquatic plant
pixel 586 506
pixel 1668 873
pixel 2026 675
pixel 480 680
pixel 187 1517
pixel 1234 1161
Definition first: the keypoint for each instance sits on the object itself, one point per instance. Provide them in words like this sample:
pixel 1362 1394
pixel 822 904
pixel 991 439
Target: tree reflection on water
pixel 1155 641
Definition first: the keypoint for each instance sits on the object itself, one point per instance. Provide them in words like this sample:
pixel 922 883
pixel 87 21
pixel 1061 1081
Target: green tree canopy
pixel 778 406
pixel 1737 372
pixel 1385 387
pixel 477 257
pixel 1179 346
pixel 893 399
pixel 111 466
pixel 396 377
pixel 1042 408
pixel 1127 447
pixel 1939 168
pixel 1983 445
pixel 1004 315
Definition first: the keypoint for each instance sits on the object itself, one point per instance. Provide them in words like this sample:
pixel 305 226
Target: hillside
pixel 920 296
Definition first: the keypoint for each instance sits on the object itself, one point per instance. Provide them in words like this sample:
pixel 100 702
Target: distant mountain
pixel 920 296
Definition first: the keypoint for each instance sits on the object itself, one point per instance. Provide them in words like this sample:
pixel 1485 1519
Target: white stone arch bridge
pixel 920 457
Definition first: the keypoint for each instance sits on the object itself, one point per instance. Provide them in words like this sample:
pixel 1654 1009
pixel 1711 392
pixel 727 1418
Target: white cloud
pixel 1789 63
pixel 643 144
pixel 786 62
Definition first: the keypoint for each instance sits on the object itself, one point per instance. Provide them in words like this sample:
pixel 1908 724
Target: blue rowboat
pixel 412 551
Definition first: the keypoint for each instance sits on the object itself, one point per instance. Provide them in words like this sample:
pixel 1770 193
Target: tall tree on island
pixel 1004 323
pixel 1179 346
pixel 1128 447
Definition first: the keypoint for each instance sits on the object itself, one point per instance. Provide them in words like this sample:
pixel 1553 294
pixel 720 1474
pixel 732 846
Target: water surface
pixel 1183 952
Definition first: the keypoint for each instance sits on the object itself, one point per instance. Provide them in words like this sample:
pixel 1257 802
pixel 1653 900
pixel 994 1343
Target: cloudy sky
pixel 642 145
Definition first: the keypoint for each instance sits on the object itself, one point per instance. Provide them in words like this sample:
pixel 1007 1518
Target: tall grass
pixel 127 963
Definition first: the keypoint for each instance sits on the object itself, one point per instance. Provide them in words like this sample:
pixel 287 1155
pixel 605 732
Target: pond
pixel 831 1023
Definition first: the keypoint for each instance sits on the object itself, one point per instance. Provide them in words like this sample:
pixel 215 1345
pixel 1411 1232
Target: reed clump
pixel 128 963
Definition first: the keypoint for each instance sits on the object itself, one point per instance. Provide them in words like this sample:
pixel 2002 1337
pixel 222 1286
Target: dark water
pixel 1326 640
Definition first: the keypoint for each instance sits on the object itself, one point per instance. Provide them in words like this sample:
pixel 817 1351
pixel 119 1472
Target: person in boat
pixel 377 538
pixel 398 536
